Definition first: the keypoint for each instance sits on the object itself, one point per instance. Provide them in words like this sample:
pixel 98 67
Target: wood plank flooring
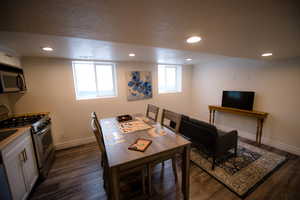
pixel 77 174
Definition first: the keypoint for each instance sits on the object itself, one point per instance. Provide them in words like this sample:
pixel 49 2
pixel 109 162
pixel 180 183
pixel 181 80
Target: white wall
pixel 277 88
pixel 4 99
pixel 51 88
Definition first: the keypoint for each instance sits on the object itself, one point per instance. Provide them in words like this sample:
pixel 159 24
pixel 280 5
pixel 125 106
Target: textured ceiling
pixel 239 28
pixel 25 44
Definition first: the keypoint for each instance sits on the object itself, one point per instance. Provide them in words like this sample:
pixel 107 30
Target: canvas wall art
pixel 139 85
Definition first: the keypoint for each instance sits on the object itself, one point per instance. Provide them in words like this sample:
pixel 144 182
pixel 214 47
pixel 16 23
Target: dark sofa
pixel 211 140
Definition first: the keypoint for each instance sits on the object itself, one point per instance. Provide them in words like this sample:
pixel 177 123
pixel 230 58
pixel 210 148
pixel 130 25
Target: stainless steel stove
pixel 41 135
pixel 20 121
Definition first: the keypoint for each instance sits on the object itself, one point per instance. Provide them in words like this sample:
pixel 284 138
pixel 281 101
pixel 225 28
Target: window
pixel 169 78
pixel 93 80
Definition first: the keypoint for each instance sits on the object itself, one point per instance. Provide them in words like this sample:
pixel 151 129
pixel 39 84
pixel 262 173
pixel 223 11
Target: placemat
pixel 132 126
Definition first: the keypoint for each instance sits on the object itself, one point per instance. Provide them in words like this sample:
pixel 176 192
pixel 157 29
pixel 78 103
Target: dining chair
pixel 99 136
pixel 151 109
pixel 97 130
pixel 171 120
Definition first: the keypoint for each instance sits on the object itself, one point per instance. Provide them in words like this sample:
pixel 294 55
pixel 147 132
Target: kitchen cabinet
pixel 20 166
pixel 10 60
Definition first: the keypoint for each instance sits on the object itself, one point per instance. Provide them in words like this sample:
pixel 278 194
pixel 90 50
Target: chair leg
pixel 102 160
pixel 144 181
pixel 235 151
pixel 214 161
pixel 105 180
pixel 149 173
pixel 174 166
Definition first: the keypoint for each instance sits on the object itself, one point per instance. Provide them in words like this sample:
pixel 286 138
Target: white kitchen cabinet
pixel 20 166
pixel 10 60
pixel 30 167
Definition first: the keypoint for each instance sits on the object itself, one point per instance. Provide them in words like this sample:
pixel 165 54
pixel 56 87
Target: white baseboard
pixel 267 141
pixel 74 143
pixel 273 143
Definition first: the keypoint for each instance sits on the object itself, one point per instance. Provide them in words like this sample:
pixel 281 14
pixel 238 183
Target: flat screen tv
pixel 238 99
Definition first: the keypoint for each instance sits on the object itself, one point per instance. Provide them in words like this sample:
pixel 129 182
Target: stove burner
pixel 20 121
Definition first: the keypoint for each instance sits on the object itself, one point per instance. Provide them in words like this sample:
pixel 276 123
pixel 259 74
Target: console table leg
pixel 257 130
pixel 210 116
pixel 213 117
pixel 260 131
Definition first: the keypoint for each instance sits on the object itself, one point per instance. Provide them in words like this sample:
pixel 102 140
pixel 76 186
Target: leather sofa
pixel 208 138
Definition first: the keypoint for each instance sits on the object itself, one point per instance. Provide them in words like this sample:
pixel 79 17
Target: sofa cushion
pixel 207 137
pixel 203 124
pixel 221 133
pixel 200 133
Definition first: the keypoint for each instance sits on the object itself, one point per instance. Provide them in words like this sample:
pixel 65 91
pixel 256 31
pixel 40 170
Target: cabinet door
pixel 30 167
pixel 10 60
pixel 14 169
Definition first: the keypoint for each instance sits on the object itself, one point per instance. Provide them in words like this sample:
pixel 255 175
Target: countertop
pixel 29 114
pixel 11 138
pixel 20 130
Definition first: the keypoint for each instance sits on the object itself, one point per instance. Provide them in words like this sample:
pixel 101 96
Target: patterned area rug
pixel 243 173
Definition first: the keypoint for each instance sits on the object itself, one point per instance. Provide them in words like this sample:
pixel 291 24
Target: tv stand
pixel 260 116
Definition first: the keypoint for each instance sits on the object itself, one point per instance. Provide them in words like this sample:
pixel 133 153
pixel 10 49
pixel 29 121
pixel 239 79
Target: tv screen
pixel 238 99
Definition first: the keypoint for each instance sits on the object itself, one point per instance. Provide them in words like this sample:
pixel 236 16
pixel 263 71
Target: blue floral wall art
pixel 139 85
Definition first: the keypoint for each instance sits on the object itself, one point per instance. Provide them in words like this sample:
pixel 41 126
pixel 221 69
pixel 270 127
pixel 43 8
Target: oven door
pixel 44 145
pixel 12 82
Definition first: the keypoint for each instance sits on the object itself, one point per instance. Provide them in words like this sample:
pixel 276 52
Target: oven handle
pixel 44 130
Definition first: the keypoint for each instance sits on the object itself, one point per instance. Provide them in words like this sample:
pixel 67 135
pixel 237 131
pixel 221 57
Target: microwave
pixel 12 82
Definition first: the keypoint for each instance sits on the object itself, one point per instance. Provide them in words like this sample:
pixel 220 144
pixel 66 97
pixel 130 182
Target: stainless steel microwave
pixel 12 82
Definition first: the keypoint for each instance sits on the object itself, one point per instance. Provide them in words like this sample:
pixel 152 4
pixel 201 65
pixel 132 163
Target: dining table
pixel 165 145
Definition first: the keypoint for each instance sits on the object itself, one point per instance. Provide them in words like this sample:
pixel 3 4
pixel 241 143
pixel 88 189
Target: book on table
pixel 140 145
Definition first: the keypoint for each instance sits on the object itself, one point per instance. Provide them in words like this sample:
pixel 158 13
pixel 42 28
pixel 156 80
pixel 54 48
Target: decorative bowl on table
pixel 124 118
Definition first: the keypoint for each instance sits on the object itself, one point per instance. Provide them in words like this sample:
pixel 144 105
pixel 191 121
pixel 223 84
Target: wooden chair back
pixel 152 109
pixel 173 118
pixel 98 132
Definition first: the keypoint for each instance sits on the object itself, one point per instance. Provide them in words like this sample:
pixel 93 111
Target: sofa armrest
pixel 226 141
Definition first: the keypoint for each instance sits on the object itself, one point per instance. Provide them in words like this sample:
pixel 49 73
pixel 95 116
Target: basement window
pixel 94 80
pixel 169 78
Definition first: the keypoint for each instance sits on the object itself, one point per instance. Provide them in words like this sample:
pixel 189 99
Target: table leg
pixel 257 130
pixel 213 117
pixel 260 131
pixel 186 172
pixel 149 173
pixel 210 116
pixel 114 183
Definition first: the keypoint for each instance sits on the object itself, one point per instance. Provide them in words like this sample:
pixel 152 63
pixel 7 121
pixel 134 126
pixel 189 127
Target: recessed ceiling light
pixel 266 54
pixel 131 54
pixel 194 39
pixel 47 49
pixel 188 59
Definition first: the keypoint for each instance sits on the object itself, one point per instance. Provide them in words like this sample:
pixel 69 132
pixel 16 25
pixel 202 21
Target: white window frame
pixel 99 94
pixel 178 87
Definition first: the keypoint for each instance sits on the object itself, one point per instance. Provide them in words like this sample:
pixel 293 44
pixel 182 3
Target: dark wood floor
pixel 76 174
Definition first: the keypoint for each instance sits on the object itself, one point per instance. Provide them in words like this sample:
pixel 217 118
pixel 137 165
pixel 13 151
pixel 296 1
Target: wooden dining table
pixel 165 144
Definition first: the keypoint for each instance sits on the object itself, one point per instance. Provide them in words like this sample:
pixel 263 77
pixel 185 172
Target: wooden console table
pixel 260 116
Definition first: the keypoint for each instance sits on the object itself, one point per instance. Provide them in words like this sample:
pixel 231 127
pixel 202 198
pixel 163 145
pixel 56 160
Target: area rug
pixel 241 174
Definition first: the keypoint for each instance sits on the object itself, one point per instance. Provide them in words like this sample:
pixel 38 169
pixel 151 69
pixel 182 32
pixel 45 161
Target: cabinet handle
pixel 22 157
pixel 25 154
